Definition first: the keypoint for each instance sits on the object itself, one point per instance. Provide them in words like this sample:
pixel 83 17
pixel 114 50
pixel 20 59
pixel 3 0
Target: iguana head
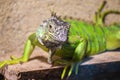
pixel 53 32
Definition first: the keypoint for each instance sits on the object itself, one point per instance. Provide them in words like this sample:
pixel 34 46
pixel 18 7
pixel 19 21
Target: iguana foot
pixel 73 66
pixel 13 61
pixel 2 64
pixel 69 65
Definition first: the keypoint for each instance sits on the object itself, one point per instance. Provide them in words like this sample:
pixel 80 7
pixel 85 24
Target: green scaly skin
pixel 73 42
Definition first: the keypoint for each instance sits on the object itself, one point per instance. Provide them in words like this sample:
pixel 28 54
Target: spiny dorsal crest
pixel 53 14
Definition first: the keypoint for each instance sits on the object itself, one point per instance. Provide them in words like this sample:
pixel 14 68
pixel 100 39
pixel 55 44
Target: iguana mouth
pixel 40 40
pixel 50 41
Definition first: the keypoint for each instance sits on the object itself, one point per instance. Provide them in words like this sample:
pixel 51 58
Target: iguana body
pixel 72 40
pixel 97 39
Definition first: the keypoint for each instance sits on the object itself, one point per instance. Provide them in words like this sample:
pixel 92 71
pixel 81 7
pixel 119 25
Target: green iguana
pixel 72 40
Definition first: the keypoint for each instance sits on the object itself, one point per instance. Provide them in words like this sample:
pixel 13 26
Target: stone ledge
pixel 105 66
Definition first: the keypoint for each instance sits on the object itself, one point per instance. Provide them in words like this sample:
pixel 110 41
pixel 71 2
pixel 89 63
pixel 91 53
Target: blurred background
pixel 20 18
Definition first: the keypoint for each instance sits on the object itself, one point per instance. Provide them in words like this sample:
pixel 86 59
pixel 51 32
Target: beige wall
pixel 19 18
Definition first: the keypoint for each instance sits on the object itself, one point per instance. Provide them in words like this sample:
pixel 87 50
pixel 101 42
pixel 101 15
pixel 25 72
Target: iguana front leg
pixel 51 53
pixel 28 49
pixel 77 57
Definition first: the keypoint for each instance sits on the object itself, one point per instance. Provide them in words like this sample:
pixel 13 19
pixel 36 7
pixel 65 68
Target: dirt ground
pixel 20 18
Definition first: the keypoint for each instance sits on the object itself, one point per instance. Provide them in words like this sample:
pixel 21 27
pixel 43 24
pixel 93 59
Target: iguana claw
pixel 72 67
pixel 71 64
pixel 2 64
pixel 12 57
pixel 13 61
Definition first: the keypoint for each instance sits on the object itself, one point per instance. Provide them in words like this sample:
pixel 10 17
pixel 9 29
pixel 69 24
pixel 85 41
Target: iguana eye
pixel 50 26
